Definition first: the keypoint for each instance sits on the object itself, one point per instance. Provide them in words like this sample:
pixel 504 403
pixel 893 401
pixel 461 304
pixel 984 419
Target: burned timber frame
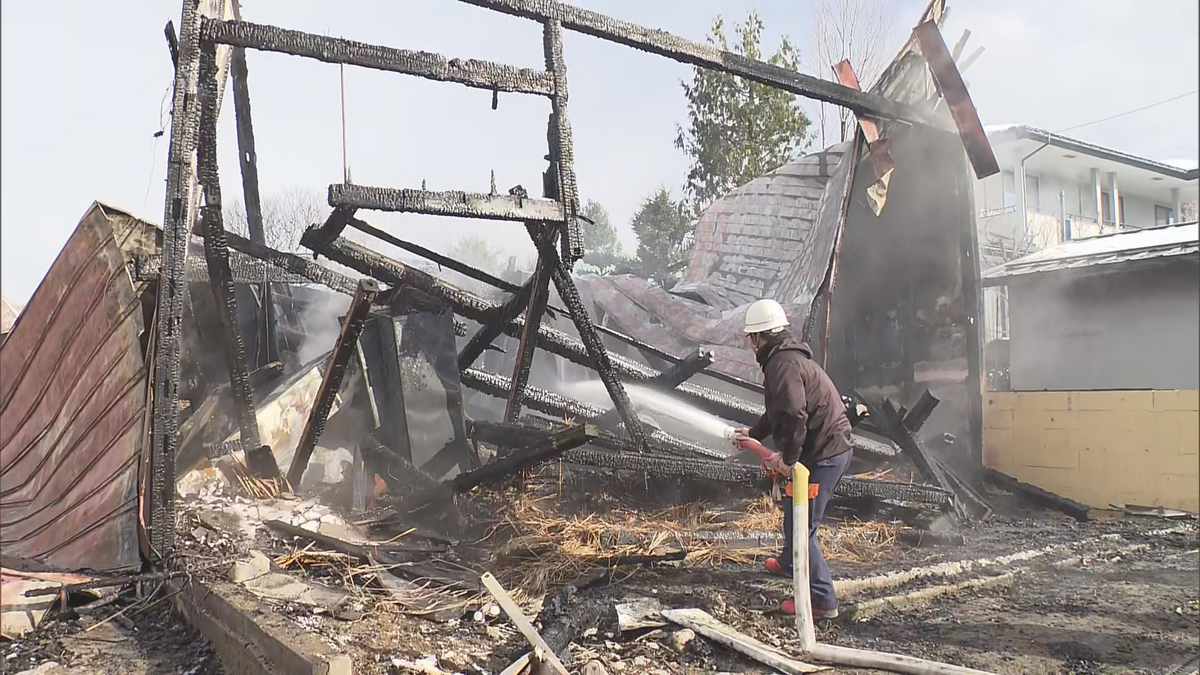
pixel 206 40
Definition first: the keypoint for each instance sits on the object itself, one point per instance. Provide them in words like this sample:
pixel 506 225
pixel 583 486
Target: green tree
pixel 664 233
pixel 737 129
pixel 600 238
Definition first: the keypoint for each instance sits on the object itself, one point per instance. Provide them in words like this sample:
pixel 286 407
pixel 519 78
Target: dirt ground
pixel 1114 596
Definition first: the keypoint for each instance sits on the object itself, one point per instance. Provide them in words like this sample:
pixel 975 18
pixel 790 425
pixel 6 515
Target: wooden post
pixel 800 592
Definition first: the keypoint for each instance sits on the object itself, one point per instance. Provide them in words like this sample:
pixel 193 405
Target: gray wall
pixel 1130 329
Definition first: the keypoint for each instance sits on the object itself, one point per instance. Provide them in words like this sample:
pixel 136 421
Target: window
pixel 1162 215
pixel 1032 193
pixel 1010 190
pixel 1106 206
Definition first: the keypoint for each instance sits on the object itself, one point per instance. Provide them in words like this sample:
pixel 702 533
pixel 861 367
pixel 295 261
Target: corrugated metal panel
pixel 72 411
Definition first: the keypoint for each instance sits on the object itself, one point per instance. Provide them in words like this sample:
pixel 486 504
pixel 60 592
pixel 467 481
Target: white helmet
pixel 765 316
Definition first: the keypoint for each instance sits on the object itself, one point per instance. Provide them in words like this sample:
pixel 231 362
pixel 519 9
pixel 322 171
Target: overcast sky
pixel 79 113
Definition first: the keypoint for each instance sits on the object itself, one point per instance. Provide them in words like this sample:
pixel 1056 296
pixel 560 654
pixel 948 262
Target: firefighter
pixel 806 417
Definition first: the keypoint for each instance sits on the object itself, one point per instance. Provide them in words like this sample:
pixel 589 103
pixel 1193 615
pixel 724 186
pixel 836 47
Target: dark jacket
pixel 805 413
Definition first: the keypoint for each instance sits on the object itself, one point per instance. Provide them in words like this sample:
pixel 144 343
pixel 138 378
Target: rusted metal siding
pixel 72 411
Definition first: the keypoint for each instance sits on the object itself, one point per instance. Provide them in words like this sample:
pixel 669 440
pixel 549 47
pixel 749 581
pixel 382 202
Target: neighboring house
pixel 1105 369
pixel 1054 189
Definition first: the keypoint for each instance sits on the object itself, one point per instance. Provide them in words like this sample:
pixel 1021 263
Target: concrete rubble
pixel 322 466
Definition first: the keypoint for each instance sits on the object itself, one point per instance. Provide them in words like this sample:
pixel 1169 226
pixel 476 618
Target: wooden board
pixel 704 624
pixel 72 411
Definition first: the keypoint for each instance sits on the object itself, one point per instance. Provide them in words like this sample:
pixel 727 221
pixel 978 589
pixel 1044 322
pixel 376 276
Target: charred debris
pixel 168 361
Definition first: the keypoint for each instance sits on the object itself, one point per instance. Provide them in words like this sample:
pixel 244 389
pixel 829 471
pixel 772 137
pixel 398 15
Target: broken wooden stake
pixel 335 370
pixel 520 621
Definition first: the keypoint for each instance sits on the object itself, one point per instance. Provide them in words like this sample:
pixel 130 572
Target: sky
pixel 78 116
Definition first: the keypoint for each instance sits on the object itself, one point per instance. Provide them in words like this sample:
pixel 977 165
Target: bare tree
pixel 857 30
pixel 285 216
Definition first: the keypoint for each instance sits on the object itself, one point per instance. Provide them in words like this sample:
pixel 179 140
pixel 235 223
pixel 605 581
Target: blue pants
pixel 825 473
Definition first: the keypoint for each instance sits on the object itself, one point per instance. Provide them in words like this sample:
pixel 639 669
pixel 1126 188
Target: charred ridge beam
pixel 550 403
pixel 921 410
pixel 259 459
pixel 244 269
pixel 331 382
pixel 470 72
pixel 373 264
pixel 445 203
pixel 703 55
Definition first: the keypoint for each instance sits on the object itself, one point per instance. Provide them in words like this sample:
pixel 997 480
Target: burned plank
pixel 492 328
pixel 331 382
pixel 704 55
pixel 259 459
pixel 396 470
pixel 1037 495
pixel 954 90
pixel 364 551
pixel 445 203
pixel 877 146
pixel 680 372
pixel 528 341
pixel 470 72
pixel 921 410
pixel 315 237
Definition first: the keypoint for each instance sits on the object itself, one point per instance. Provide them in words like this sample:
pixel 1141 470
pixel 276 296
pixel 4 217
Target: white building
pixel 1053 189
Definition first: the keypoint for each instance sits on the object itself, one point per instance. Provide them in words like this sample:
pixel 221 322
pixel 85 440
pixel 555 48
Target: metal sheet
pixel 72 411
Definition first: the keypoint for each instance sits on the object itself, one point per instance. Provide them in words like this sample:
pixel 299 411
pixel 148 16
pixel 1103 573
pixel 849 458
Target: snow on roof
pixel 1127 246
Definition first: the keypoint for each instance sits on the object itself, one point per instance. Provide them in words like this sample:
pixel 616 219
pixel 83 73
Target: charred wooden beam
pixel 331 382
pixel 244 270
pixel 397 471
pixel 528 342
pixel 498 283
pixel 661 466
pixel 1037 495
pixel 185 117
pixel 492 328
pixel 317 237
pixel 383 268
pixel 248 159
pixel 445 203
pixel 293 264
pixel 708 56
pixel 598 356
pixel 172 42
pixel 562 152
pixel 921 410
pixel 550 403
pixel 954 90
pixel 680 372
pixel 470 72
pixel 893 427
pixel 259 459
pixel 979 506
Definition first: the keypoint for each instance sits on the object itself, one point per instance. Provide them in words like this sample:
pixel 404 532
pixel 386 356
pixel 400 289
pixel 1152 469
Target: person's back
pixel 826 428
